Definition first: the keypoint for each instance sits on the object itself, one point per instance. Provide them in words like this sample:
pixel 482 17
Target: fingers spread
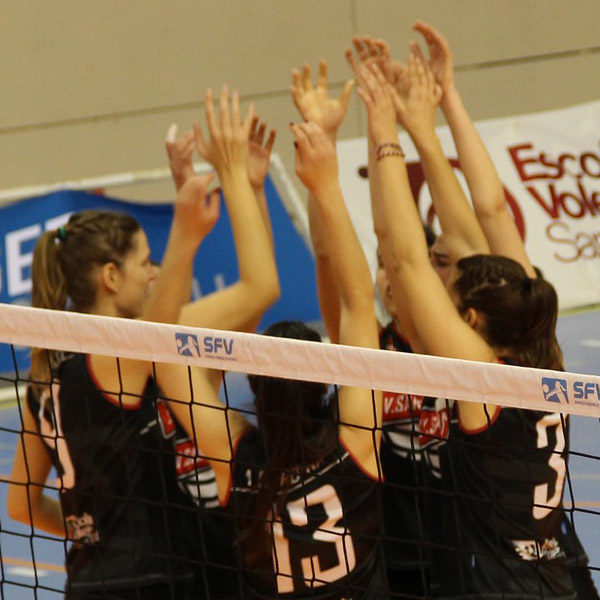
pixel 306 82
pixel 416 50
pixel 351 59
pixel 235 110
pixel 253 125
pixel 271 140
pixel 172 133
pixel 199 138
pixel 224 110
pixel 322 79
pixel 346 93
pixel 211 118
pixel 260 136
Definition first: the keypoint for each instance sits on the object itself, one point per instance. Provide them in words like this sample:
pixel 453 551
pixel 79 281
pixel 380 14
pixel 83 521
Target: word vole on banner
pixel 549 165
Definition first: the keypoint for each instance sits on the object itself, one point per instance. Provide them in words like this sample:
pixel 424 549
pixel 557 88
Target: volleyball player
pixel 212 547
pixel 301 484
pixel 489 204
pixel 500 534
pixel 117 481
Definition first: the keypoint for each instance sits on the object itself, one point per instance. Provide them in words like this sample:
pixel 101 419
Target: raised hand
pixel 377 94
pixel 416 111
pixel 316 158
pixel 259 153
pixel 196 209
pixel 180 152
pixel 314 103
pixel 227 146
pixel 368 51
pixel 440 56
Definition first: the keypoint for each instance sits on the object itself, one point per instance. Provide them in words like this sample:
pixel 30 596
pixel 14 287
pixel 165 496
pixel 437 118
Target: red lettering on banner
pixel 434 425
pixel 187 459
pixel 165 418
pixel 520 162
pixel 401 406
pixel 575 206
pixel 531 166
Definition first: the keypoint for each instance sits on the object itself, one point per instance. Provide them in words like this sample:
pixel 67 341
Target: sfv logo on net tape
pixel 580 392
pixel 209 346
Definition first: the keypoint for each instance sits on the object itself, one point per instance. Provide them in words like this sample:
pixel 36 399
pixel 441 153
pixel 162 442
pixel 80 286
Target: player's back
pixel 326 539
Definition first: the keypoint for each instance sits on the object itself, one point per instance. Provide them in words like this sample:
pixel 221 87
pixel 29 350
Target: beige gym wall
pixel 90 87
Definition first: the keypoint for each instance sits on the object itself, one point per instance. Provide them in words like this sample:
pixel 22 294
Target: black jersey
pixel 500 533
pixel 400 411
pixel 326 541
pixel 209 532
pixel 401 496
pixel 117 484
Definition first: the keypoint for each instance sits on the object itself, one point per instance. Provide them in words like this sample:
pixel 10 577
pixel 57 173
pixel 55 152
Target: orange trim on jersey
pixel 107 396
pixel 379 478
pixel 479 429
pixel 232 467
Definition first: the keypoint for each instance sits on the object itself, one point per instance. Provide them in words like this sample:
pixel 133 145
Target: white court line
pixel 27 572
pixel 590 343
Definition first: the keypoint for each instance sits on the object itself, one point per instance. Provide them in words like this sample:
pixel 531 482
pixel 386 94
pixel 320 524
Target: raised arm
pixel 181 153
pixel 316 166
pixel 424 304
pixel 461 230
pixel 258 286
pixel 259 159
pixel 316 105
pixel 193 397
pixel 487 193
pixel 195 214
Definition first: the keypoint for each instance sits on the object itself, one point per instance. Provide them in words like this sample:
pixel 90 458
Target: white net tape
pixel 520 387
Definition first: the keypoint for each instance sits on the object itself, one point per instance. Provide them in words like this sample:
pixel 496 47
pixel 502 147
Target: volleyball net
pixel 436 477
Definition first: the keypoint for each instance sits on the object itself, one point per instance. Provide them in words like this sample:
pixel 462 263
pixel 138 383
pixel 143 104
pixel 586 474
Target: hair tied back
pixel 526 285
pixel 61 233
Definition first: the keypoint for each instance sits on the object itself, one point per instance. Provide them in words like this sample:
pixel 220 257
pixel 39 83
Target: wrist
pixel 324 187
pixel 233 173
pixel 332 135
pixel 183 241
pixel 450 97
pixel 426 142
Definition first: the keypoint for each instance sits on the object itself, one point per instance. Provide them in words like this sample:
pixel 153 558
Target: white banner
pixel 549 164
pixel 519 387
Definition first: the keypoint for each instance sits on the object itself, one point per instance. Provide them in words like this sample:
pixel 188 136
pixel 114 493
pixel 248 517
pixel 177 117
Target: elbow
pixel 17 504
pixel 267 292
pixel 495 207
pixel 272 293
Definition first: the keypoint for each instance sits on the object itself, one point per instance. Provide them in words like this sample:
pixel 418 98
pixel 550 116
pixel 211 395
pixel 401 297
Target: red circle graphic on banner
pixel 416 178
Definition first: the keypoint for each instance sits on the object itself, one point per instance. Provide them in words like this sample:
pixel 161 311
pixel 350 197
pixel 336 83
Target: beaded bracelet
pixel 397 152
pixel 394 150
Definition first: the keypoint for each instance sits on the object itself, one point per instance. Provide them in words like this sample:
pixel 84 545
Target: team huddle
pixel 167 492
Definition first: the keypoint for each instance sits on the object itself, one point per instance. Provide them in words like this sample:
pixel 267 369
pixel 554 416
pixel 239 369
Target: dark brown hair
pixel 298 428
pixel 64 262
pixel 519 313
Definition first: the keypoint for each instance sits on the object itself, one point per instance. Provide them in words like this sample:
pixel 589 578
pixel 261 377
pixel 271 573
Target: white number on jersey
pixel 542 504
pixel 328 532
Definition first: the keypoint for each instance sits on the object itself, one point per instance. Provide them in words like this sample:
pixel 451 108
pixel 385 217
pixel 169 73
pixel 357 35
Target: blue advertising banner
pixel 215 266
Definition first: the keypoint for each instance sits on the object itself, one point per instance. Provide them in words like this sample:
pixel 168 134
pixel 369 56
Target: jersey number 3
pixel 312 573
pixel 543 503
